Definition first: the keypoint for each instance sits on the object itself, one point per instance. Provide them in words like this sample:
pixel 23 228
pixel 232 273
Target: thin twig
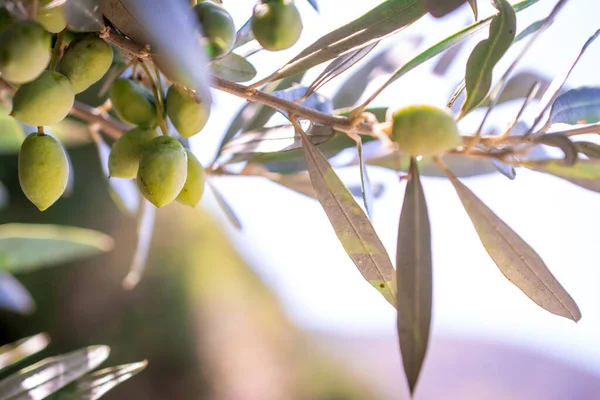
pixel 56 50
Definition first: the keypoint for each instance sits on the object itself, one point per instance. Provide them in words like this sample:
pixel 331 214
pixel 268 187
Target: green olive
pixel 85 62
pixel 163 170
pixel 133 103
pixel 124 158
pixel 45 101
pixel 423 130
pixel 187 116
pixel 194 184
pixel 52 19
pixel 276 24
pixel 24 51
pixel 43 170
pixel 218 28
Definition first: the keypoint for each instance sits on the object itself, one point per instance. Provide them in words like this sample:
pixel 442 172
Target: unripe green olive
pixel 133 102
pixel 24 51
pixel 44 101
pixel 52 19
pixel 276 24
pixel 194 184
pixel 85 62
pixel 124 157
pixel 423 130
pixel 187 116
pixel 163 170
pixel 218 28
pixel 43 170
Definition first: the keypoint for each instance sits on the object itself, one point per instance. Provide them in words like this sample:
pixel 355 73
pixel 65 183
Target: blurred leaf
pixel 83 16
pixel 4 196
pixel 26 247
pixel 441 8
pixel 532 28
pixel 377 190
pixel 365 182
pixel 517 261
pixel 383 63
pixel 231 215
pixel 446 59
pixel 584 173
pixel 12 353
pixel 562 142
pixel 124 192
pixel 339 65
pixel 244 34
pixel 351 225
pixel 589 149
pixel 314 4
pixel 48 376
pixel 234 68
pixel 487 53
pixel 577 106
pixel 445 44
pixel 385 19
pixel 12 134
pixel 298 182
pixel 414 277
pixel 473 4
pixel 145 229
pixel 505 169
pixel 14 296
pixel 315 101
pixel 95 385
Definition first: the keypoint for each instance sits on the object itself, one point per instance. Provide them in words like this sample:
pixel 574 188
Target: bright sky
pixel 288 239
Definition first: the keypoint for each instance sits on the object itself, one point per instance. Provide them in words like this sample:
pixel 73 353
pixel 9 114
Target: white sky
pixel 288 239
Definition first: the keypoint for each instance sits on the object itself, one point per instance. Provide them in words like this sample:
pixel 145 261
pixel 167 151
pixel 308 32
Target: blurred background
pixel 278 311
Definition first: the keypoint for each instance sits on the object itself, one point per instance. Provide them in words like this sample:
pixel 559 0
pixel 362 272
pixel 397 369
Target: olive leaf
pixel 234 68
pixel 387 18
pixel 561 142
pixel 13 353
pixel 517 261
pixel 473 4
pixel 584 173
pixel 14 297
pixel 351 225
pixel 314 4
pixel 576 106
pixel 365 182
pixel 144 231
pixel 414 277
pixel 244 34
pixel 589 149
pixel 222 202
pixel 487 53
pixel 440 8
pixel 505 169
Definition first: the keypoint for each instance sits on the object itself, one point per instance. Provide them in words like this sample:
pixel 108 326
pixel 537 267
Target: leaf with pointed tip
pixel 577 106
pixel 487 53
pixel 95 385
pixel 505 169
pixel 365 182
pixel 445 44
pixel 473 4
pixel 532 28
pixel 244 34
pixel 414 277
pixel 339 65
pixel 351 225
pixel 589 149
pixel 385 19
pixel 584 173
pixel 441 8
pixel 48 376
pixel 314 4
pixel 517 261
pixel 446 59
pixel 14 296
pixel 562 142
pixel 26 247
pixel 231 215
pixel 234 68
pixel 144 232
pixel 13 353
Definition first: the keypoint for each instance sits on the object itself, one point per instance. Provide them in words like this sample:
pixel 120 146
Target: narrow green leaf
pixel 351 225
pixel 517 261
pixel 234 68
pixel 365 182
pixel 387 18
pixel 414 277
pixel 487 53
pixel 12 353
pixel 577 106
pixel 227 209
pixel 25 247
pixel 562 142
pixel 144 231
pixel 584 173
pixel 50 375
pixel 589 149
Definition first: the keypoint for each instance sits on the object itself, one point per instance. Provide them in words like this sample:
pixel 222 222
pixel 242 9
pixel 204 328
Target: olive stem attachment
pixel 56 50
pixel 40 130
pixel 157 100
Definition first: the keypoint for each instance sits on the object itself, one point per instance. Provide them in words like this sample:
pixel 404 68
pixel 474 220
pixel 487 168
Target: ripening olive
pixel 85 62
pixel 276 24
pixel 194 184
pixel 218 28
pixel 187 116
pixel 124 158
pixel 423 130
pixel 24 51
pixel 133 102
pixel 52 19
pixel 45 101
pixel 43 170
pixel 163 170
